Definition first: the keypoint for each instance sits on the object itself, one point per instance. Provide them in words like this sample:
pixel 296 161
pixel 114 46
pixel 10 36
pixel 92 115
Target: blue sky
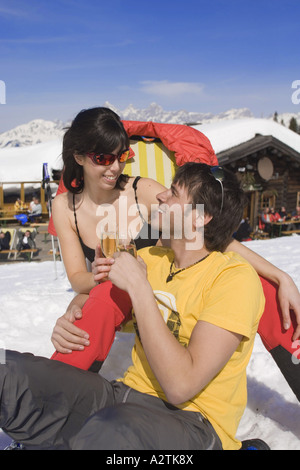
pixel 207 56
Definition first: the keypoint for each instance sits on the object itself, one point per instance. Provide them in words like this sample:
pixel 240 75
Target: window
pixel 268 199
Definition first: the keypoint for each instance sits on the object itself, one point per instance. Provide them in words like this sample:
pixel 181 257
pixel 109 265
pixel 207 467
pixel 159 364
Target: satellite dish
pixel 265 168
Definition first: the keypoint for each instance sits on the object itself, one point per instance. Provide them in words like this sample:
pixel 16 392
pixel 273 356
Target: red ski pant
pixel 278 341
pixel 102 315
pixel 270 327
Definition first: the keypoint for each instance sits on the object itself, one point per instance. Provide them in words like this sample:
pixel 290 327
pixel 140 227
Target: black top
pixel 143 238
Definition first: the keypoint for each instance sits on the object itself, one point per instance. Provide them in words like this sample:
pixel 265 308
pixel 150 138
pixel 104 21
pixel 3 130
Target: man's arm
pixel 66 337
pixel 209 349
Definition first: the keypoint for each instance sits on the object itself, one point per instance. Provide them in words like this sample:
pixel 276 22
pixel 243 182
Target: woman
pixel 95 150
pixel 90 184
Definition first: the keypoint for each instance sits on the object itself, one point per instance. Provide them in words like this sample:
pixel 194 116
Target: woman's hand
pixel 101 266
pixel 289 299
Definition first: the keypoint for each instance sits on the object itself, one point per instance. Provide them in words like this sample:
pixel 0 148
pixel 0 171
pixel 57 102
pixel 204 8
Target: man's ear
pixel 78 158
pixel 201 220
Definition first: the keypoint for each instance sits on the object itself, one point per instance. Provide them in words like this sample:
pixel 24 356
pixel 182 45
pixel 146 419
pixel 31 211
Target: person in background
pixel 295 219
pixel 35 209
pixel 26 240
pixel 266 219
pixel 296 213
pixel 19 205
pixel 4 240
pixel 243 232
pixel 283 214
pixel 275 216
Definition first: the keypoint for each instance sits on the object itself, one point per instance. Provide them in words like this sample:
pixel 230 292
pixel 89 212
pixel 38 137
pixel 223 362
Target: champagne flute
pixel 108 241
pixel 126 243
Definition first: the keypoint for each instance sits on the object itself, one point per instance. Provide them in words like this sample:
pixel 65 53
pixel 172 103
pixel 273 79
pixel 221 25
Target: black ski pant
pixel 45 404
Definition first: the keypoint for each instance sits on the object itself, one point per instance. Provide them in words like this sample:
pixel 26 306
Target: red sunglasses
pixel 107 159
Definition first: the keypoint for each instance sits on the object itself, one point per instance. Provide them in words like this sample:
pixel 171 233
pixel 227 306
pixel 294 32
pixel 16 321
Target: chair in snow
pixel 12 232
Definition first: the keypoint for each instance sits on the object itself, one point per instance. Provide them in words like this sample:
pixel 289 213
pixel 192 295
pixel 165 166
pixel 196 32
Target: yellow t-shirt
pixel 223 290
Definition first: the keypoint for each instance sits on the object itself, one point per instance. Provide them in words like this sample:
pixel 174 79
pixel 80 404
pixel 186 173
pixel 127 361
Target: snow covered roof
pixel 26 163
pixel 225 135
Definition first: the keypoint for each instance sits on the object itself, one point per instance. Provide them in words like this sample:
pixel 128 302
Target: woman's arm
pixel 81 280
pixel 288 293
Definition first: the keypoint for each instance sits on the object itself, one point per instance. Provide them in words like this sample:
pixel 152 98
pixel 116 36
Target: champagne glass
pixel 108 241
pixel 126 243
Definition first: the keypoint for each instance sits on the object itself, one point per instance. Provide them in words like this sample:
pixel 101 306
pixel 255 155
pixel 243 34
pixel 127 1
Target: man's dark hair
pixel 203 188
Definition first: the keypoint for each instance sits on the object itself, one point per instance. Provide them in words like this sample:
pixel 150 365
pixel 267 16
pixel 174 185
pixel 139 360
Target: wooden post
pixel 22 193
pixel 43 202
pixel 1 196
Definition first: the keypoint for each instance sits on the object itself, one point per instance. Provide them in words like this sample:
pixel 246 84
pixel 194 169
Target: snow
pixel 227 134
pixel 26 163
pixel 33 296
pixel 33 132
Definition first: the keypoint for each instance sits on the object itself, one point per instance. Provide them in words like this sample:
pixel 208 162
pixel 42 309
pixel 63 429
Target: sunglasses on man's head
pixel 218 174
pixel 106 159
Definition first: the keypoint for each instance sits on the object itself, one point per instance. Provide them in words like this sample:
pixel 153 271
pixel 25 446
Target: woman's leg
pixel 105 310
pixel 277 340
pixel 44 403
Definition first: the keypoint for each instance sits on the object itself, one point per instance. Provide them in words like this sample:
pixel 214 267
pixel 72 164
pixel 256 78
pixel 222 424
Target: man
pixel 197 312
pixel 35 209
pixel 26 240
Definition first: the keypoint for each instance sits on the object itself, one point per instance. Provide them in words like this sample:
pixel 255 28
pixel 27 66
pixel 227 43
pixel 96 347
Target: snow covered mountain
pixel 157 114
pixel 39 130
pixel 286 117
pixel 34 132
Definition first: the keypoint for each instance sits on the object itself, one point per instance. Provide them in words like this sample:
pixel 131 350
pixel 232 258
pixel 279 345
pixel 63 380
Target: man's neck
pixel 184 257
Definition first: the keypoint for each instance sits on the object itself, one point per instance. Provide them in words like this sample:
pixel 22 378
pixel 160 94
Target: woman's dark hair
pixel 203 188
pixel 97 130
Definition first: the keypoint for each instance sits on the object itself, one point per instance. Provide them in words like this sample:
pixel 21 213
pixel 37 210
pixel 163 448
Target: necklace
pixel 171 275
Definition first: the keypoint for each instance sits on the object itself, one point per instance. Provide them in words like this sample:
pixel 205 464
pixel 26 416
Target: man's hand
pixel 127 272
pixel 66 337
